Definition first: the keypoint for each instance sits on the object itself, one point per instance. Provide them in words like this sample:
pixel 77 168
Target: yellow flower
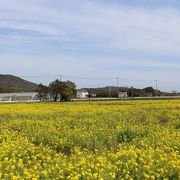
pixel 14 178
pixel 13 167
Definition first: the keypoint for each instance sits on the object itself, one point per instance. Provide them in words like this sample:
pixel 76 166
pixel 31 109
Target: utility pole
pixel 156 87
pixel 109 91
pixel 60 77
pixel 132 93
pixel 118 86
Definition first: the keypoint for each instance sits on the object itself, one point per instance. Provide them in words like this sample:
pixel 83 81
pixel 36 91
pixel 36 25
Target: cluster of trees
pixel 57 91
pixel 132 92
pixel 5 90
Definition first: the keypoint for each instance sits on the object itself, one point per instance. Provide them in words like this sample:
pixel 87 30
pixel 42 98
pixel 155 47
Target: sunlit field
pixel 90 140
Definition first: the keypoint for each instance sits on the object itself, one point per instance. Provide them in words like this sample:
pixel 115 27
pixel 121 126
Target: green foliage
pixel 64 89
pixel 126 136
pixel 132 92
pixel 42 92
pixel 9 83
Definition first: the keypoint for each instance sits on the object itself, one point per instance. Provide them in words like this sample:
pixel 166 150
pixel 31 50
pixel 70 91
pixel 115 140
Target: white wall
pixel 82 94
pixel 17 96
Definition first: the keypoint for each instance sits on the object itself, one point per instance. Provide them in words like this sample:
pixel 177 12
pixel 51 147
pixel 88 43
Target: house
pixel 82 93
pixel 26 96
pixel 122 94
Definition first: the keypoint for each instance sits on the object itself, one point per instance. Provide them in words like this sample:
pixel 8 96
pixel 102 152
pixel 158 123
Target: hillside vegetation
pixel 10 83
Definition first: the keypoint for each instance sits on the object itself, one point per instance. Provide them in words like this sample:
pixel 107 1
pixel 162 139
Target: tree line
pixel 66 90
pixel 112 91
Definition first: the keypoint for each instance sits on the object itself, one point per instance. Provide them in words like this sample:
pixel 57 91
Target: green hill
pixel 10 83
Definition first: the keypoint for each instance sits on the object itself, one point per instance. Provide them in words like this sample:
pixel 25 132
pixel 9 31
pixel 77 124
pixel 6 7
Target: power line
pixel 39 76
pixel 94 78
pixel 78 77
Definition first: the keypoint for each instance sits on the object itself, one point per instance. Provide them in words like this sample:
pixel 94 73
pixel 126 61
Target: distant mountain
pixel 10 83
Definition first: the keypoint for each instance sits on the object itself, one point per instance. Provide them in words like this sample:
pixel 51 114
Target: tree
pixel 68 90
pixel 62 90
pixel 55 89
pixel 42 92
pixel 149 91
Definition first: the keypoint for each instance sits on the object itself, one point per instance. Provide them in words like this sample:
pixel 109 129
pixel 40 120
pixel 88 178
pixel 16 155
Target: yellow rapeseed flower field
pixel 90 140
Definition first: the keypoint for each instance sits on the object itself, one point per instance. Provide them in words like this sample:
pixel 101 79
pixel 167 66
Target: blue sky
pixel 136 40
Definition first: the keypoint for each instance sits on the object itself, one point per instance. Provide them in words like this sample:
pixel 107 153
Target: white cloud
pixel 155 30
pixel 84 25
pixel 146 63
pixel 70 66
